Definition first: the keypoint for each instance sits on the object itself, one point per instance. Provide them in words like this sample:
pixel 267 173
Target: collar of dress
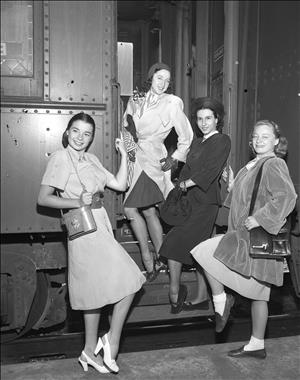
pixel 209 135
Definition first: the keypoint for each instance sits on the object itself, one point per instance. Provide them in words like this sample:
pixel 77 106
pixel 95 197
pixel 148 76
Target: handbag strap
pixel 76 171
pixel 256 186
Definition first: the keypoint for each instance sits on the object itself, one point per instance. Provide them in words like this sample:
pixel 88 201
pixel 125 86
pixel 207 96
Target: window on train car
pixel 125 67
pixel 17 38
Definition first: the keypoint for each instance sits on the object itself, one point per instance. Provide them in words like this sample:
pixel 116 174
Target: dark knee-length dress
pixel 204 166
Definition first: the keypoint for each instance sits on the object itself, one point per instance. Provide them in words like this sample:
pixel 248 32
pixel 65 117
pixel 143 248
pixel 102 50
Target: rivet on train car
pixel 46 50
pixel 25 110
pixel 82 99
pixel 35 111
pixel 46 95
pixel 93 99
pixel 48 129
pixel 70 112
pixel 59 98
pixel 71 99
pixel 46 84
pixel 47 111
pixel 46 28
pixel 46 39
pixel 93 113
pixel 46 62
pixel 46 73
pixel 59 111
pixel 72 81
pixel 11 110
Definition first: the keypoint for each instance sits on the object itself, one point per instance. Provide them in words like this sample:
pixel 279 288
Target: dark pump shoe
pixel 158 266
pixel 188 306
pixel 177 307
pixel 221 320
pixel 241 353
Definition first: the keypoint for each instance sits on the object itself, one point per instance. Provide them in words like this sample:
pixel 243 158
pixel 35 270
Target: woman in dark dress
pixel 200 177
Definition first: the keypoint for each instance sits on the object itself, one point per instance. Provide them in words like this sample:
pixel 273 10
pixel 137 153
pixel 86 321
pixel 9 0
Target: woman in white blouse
pixel 150 117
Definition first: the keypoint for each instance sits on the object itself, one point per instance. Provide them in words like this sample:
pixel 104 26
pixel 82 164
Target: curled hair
pixel 212 104
pixel 282 147
pixel 147 84
pixel 83 117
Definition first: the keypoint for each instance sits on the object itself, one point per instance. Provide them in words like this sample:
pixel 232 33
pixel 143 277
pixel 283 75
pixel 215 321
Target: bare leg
pixel 117 321
pixel 139 227
pixel 154 227
pixel 259 313
pixel 202 294
pixel 215 285
pixel 175 274
pixel 91 323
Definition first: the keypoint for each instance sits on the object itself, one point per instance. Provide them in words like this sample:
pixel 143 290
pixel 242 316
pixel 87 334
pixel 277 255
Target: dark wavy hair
pixel 83 117
pixel 147 84
pixel 281 148
pixel 208 103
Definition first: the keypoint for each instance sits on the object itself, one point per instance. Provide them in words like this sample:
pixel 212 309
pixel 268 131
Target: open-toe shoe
pixel 88 361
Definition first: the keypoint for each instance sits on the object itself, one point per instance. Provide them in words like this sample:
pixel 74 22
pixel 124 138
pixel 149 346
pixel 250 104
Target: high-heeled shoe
pixel 88 361
pixel 158 266
pixel 108 361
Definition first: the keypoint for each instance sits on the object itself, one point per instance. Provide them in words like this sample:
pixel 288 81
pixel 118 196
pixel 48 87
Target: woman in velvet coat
pixel 225 258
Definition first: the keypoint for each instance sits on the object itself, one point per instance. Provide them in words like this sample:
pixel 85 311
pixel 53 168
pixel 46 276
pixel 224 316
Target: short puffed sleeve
pixel 58 170
pixel 109 176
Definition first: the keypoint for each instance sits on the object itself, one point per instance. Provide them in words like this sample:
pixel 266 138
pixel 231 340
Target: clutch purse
pixel 176 209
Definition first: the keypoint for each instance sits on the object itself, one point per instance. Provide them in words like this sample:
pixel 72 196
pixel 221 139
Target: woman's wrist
pixel 183 186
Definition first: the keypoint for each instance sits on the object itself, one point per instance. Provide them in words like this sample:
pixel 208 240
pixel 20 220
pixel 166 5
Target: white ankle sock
pixel 219 301
pixel 255 344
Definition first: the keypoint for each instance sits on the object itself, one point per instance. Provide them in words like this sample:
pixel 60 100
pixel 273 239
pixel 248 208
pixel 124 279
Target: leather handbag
pixel 79 221
pixel 176 209
pixel 262 243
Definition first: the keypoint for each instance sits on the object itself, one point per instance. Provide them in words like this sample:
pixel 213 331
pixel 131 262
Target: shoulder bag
pixel 78 221
pixel 262 243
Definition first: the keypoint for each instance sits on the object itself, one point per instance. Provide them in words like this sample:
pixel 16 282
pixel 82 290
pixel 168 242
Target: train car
pixel 62 57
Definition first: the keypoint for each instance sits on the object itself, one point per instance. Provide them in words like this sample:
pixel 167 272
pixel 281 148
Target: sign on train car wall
pixel 59 58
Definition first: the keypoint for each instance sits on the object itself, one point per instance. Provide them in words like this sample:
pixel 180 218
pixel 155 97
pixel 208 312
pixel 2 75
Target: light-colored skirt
pixel 246 286
pixel 100 271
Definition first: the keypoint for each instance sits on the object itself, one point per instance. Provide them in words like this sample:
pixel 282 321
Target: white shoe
pixel 88 361
pixel 108 361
